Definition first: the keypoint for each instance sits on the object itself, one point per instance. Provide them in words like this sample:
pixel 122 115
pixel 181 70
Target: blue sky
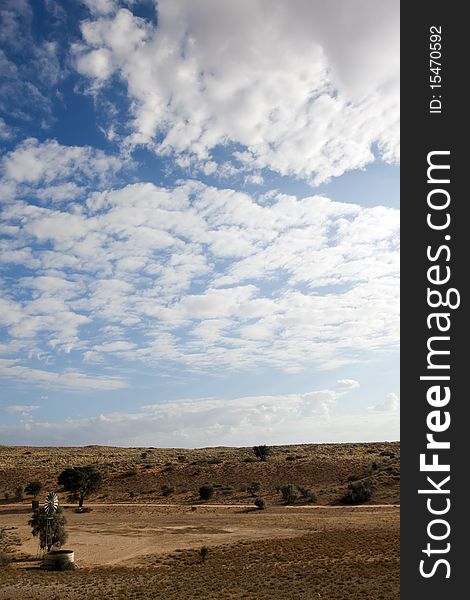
pixel 199 230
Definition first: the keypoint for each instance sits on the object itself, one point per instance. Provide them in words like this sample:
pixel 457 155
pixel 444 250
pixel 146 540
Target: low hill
pixel 160 475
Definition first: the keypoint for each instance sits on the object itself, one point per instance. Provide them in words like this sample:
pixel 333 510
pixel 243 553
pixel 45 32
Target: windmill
pixel 51 504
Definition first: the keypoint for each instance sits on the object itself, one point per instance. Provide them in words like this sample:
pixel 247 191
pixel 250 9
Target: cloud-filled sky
pixel 200 229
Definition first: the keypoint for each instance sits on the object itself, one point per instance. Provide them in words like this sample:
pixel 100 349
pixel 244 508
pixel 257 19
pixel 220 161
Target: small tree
pixel 33 488
pixel 307 493
pixel 262 452
pixel 289 493
pixel 357 492
pixel 167 490
pixel 206 491
pixel 203 552
pixel 51 530
pixel 260 503
pixel 5 559
pixel 19 493
pixel 80 482
pixel 254 488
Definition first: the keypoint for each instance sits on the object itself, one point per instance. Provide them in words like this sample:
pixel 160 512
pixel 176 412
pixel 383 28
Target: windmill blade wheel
pixel 51 503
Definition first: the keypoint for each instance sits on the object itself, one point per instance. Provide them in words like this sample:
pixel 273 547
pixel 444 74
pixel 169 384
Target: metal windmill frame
pixel 51 504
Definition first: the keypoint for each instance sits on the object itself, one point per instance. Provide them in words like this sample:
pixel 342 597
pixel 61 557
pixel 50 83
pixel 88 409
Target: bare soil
pixel 147 546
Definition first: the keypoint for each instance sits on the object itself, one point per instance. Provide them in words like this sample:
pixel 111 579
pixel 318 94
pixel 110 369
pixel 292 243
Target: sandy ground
pixel 152 552
pixel 113 535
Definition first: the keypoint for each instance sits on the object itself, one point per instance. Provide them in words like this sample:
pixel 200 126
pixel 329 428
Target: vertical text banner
pixel 434 290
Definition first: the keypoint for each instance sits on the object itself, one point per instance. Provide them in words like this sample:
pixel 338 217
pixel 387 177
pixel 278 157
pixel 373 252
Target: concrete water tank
pixel 59 558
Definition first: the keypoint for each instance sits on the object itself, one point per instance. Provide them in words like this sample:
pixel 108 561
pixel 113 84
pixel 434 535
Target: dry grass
pixel 336 555
pixel 138 474
pixel 147 546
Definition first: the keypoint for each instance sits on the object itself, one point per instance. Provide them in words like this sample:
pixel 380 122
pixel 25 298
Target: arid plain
pixel 143 536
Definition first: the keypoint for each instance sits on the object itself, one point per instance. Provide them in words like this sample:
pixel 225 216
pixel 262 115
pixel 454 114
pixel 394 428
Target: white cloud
pixel 290 418
pixel 33 162
pixel 22 409
pixel 347 384
pixel 69 379
pixel 114 347
pixel 5 131
pixel 97 64
pixel 100 7
pixel 197 276
pixel 391 403
pixel 30 67
pixel 305 90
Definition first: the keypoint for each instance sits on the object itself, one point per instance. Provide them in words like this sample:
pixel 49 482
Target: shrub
pixel 130 472
pixel 260 503
pixel 289 493
pixel 262 452
pixel 357 493
pixel 6 495
pixel 203 552
pixel 5 559
pixel 254 488
pixel 206 491
pixel 19 493
pixel 33 488
pixel 388 453
pixel 307 493
pixel 167 490
pixel 50 530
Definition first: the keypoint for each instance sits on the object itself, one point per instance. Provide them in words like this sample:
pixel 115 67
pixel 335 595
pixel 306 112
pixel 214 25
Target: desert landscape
pixel 142 533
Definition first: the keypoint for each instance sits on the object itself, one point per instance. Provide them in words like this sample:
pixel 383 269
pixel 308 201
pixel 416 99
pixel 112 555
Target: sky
pixel 200 222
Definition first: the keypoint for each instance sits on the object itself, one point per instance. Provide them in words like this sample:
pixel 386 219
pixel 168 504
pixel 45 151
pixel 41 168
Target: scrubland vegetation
pixel 303 522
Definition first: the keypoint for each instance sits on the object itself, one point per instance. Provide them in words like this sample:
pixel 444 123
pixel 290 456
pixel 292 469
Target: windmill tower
pixel 51 504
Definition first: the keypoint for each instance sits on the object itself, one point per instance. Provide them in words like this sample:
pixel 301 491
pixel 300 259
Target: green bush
pixel 260 503
pixel 203 552
pixel 289 493
pixel 49 529
pixel 262 452
pixel 206 491
pixel 357 493
pixel 5 559
pixel 307 493
pixel 254 488
pixel 33 488
pixel 167 490
pixel 130 472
